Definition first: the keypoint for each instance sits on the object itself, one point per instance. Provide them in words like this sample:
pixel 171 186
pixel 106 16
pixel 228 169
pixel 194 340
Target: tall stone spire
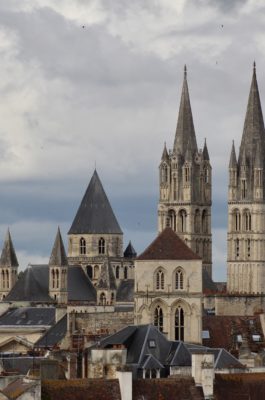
pixel 185 129
pixel 253 132
pixel 205 152
pixel 165 154
pixel 8 267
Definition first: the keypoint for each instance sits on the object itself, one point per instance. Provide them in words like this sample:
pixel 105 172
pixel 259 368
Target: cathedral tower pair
pixel 186 187
pixel 246 203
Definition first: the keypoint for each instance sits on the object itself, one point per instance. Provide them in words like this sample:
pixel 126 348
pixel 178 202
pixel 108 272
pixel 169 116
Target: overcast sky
pixel 87 83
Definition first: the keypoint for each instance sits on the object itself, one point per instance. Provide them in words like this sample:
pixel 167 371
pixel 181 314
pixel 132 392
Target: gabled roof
pixel 106 278
pixel 168 246
pixel 95 214
pixel 58 256
pixel 8 256
pixel 185 132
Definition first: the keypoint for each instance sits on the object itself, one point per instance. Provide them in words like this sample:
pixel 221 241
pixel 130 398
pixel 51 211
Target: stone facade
pixel 177 312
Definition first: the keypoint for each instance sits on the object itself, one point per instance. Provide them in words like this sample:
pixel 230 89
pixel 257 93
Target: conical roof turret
pixel 58 255
pixel 205 153
pixel 185 129
pixel 129 251
pixel 165 156
pixel 253 132
pixel 95 214
pixel 8 256
pixel 233 160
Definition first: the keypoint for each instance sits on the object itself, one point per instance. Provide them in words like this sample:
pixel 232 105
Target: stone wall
pixel 239 305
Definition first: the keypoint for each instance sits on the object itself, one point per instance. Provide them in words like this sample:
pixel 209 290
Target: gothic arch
pixel 159 278
pixel 178 278
pixel 182 220
pixel 204 221
pixel 82 246
pixel 246 220
pixel 172 219
pixel 236 220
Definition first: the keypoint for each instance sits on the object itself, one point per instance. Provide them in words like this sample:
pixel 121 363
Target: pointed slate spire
pixel 253 133
pixel 205 153
pixel 129 251
pixel 106 278
pixel 58 255
pixel 95 214
pixel 233 160
pixel 185 129
pixel 8 256
pixel 165 156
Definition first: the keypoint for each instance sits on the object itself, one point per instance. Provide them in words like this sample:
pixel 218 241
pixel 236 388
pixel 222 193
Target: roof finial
pixel 254 65
pixel 185 71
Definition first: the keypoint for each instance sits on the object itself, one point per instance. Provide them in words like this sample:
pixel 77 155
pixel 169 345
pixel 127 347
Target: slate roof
pixel 32 316
pixel 125 291
pixel 33 285
pixel 21 365
pixel 168 246
pixel 129 251
pixel 58 256
pixel 95 214
pixel 8 256
pixel 185 132
pixel 54 335
pixel 142 341
pixel 106 278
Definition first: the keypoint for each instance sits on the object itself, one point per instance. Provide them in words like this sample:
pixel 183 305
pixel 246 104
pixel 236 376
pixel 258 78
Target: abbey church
pixel 100 285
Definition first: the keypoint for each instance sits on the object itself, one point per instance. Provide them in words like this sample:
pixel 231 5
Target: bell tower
pixel 186 186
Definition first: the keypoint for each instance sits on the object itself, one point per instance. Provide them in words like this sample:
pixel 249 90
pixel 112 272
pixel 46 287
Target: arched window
pixel 204 221
pixel 243 188
pixel 117 272
pixel 3 279
pixel 197 221
pixel 101 246
pixel 187 173
pixel 57 279
pixel 160 280
pixel 179 279
pixel 7 279
pixel 247 220
pixel 89 271
pixel 172 219
pixel 125 272
pixel 53 279
pixel 82 244
pixel 102 299
pixel 158 318
pixel 179 324
pixel 236 220
pixel 182 220
pixel 164 173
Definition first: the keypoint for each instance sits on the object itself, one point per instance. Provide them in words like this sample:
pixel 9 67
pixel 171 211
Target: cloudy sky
pixel 97 82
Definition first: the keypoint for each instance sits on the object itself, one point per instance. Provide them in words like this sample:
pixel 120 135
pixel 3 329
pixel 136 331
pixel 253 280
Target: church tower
pixel 246 203
pixel 58 271
pixel 185 186
pixel 8 267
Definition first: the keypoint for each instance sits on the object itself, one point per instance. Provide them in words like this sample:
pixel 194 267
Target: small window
pixel 239 338
pixel 82 246
pixel 256 338
pixel 152 344
pixel 101 246
pixel 205 335
pixel 179 279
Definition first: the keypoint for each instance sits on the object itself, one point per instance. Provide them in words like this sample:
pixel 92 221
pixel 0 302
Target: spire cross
pixel 185 71
pixel 254 66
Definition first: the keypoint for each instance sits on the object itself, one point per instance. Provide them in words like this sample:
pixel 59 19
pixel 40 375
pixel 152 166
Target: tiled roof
pixel 81 389
pixel 95 214
pixel 239 386
pixel 225 331
pixel 168 246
